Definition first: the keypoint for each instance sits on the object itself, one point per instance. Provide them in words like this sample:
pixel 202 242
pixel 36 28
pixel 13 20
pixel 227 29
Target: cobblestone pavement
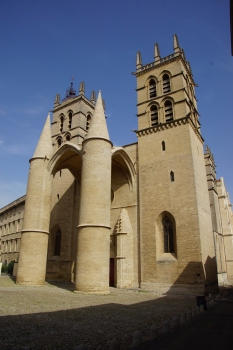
pixel 54 317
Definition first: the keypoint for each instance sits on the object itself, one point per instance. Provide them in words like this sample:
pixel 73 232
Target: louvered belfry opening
pixel 166 83
pixel 168 111
pixel 154 115
pixel 152 88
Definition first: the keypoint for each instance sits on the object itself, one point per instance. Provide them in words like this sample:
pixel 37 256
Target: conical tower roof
pixel 44 146
pixel 98 126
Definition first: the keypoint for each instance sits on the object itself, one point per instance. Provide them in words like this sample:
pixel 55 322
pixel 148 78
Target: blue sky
pixel 44 43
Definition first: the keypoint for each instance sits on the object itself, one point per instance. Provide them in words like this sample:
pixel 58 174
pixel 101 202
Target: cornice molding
pixel 162 62
pixel 169 125
pixel 71 102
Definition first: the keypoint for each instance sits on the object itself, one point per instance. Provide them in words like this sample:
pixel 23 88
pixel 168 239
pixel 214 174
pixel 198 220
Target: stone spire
pixel 176 44
pixel 138 60
pixel 82 88
pixel 44 146
pixel 93 97
pixel 157 53
pixel 98 127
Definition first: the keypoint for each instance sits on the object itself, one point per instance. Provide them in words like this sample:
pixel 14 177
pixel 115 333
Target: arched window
pixel 59 141
pixel 166 83
pixel 57 249
pixel 172 176
pixel 61 123
pixel 152 88
pixel 70 120
pixel 168 234
pixel 88 121
pixel 163 146
pixel 154 117
pixel 68 137
pixel 168 111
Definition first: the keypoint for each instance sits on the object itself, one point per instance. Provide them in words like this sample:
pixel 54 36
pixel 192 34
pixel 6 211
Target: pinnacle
pixel 82 88
pixel 98 126
pixel 138 59
pixel 44 146
pixel 156 52
pixel 176 44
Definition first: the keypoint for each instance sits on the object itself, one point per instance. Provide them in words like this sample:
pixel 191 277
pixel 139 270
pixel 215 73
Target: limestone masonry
pixel 149 214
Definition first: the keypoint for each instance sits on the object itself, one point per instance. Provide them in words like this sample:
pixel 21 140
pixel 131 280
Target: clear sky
pixel 44 43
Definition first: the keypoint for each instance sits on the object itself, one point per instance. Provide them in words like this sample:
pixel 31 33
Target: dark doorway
pixel 111 273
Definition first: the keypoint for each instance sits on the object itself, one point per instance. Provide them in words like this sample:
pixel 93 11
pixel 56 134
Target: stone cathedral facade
pixel 150 214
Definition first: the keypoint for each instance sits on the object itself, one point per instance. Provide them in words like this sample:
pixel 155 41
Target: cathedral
pixel 148 215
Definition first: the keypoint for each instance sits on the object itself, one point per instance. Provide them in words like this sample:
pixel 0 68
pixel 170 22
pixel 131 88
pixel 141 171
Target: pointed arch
pixel 61 119
pixel 55 238
pixel 151 84
pixel 59 141
pixel 166 246
pixel 152 88
pixel 68 156
pixel 67 136
pixel 154 115
pixel 122 159
pixel 70 117
pixel 88 121
pixel 168 111
pixel 165 77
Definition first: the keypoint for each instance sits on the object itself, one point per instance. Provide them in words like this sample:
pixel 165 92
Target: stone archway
pixel 65 169
pixel 123 210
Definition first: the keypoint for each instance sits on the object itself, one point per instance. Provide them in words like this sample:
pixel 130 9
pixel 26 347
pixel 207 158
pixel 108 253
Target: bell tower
pixel 175 221
pixel 165 89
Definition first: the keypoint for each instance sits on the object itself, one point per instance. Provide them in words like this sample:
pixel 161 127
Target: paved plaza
pixel 54 317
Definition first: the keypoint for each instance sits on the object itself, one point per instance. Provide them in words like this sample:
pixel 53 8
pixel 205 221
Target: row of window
pixel 11 246
pixel 62 117
pixel 9 214
pixel 70 116
pixel 168 113
pixel 11 227
pixel 168 233
pixel 60 139
pixel 166 86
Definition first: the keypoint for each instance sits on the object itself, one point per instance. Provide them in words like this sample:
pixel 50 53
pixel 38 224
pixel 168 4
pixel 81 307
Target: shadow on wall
pixel 63 232
pixel 194 272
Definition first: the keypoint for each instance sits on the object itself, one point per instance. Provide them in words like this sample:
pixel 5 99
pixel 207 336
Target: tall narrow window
pixel 61 123
pixel 166 83
pixel 57 243
pixel 168 111
pixel 168 235
pixel 88 121
pixel 172 176
pixel 163 146
pixel 154 117
pixel 70 120
pixel 152 88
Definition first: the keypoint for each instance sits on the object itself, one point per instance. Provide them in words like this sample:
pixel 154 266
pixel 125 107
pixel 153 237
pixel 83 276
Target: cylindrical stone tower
pixel 34 240
pixel 93 243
